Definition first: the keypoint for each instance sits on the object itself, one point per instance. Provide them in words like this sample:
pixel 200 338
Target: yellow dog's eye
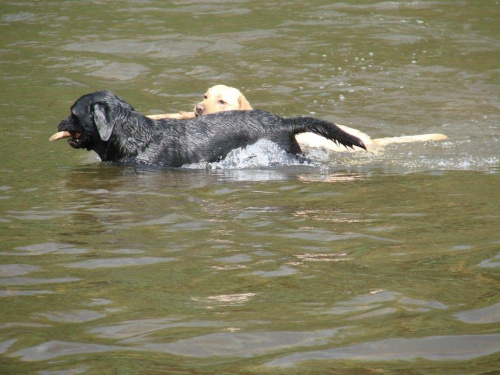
pixel 222 102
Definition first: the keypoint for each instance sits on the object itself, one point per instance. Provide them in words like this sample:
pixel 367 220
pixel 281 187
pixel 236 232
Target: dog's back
pixel 210 138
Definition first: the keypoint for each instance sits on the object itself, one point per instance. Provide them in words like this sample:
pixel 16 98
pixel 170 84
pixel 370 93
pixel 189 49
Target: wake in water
pixel 263 153
pixel 399 158
pixel 266 154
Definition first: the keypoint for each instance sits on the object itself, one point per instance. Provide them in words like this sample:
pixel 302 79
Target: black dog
pixel 105 123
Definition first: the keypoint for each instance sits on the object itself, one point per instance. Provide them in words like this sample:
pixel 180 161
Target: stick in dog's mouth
pixel 63 134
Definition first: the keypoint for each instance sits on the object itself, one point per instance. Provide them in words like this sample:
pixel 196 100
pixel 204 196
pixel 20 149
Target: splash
pixel 263 153
pixel 399 158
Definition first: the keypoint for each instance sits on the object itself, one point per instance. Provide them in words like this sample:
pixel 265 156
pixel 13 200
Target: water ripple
pixel 135 330
pixel 245 344
pixel 491 263
pixel 78 316
pixel 46 248
pixel 486 315
pixel 19 293
pixel 34 281
pixel 282 271
pixel 8 270
pixel 458 348
pixel 55 349
pixel 118 262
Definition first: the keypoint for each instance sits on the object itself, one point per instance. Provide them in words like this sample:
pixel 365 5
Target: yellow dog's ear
pixel 244 104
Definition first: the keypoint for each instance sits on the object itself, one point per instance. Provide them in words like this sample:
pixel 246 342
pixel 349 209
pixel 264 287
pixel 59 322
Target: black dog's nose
pixel 199 109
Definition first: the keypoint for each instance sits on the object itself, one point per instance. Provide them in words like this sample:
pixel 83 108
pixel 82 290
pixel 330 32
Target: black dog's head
pixel 92 120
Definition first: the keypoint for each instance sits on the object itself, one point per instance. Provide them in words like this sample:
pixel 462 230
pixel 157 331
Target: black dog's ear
pixel 102 122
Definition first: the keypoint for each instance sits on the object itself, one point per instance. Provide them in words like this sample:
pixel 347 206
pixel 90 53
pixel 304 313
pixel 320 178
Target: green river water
pixel 354 264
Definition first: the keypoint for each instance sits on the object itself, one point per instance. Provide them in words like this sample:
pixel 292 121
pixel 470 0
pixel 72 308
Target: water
pixel 352 264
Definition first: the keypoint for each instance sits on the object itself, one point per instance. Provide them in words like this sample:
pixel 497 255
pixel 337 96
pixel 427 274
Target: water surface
pixel 350 264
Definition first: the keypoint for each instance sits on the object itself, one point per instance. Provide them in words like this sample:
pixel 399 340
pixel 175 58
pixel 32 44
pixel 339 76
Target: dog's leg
pixel 409 138
pixel 177 116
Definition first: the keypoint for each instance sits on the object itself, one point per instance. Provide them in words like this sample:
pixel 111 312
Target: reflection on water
pixel 491 263
pixel 490 314
pixel 79 316
pixel 9 270
pixel 56 349
pixel 242 344
pixel 460 348
pixel 46 248
pixel 118 262
pixel 350 262
pixel 377 302
pixel 33 281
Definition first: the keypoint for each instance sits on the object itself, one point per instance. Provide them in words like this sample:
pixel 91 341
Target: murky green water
pixel 356 264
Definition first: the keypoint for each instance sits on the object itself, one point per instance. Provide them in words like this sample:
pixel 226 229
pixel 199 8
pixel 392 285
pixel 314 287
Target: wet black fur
pixel 105 123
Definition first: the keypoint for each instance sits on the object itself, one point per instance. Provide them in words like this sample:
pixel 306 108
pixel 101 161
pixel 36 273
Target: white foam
pixel 263 153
